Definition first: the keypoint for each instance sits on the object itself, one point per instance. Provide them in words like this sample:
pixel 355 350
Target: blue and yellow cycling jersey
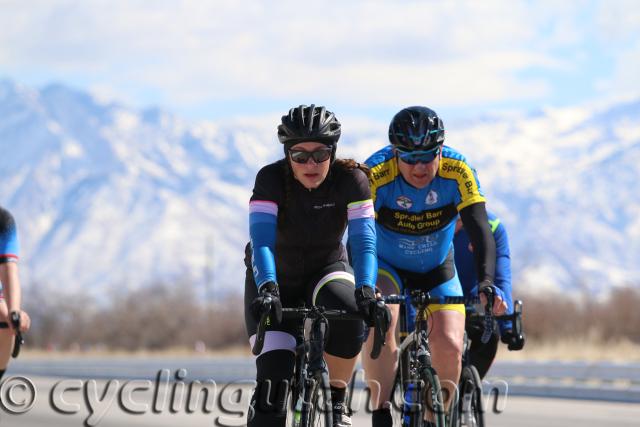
pixel 8 237
pixel 414 226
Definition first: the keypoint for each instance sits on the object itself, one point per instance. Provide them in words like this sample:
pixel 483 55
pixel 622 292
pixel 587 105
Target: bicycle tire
pixel 469 410
pixel 294 406
pixel 316 407
pixel 405 389
pixel 398 392
pixel 401 385
pixel 433 389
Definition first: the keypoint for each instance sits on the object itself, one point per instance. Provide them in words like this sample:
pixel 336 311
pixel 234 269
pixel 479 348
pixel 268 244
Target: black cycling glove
pixel 484 284
pixel 267 290
pixel 370 309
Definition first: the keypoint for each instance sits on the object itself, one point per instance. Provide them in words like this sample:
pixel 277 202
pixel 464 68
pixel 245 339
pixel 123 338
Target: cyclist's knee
pixel 275 365
pixel 446 344
pixel 345 338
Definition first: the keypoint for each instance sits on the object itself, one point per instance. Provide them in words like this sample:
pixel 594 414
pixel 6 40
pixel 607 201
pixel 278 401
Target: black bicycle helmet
pixel 416 128
pixel 311 123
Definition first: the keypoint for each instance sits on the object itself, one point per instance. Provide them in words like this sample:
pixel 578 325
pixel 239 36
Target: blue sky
pixel 217 59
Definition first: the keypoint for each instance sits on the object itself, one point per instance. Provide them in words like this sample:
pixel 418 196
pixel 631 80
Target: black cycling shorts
pixel 333 288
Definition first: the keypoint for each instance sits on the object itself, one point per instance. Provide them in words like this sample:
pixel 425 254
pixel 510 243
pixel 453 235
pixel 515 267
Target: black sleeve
pixel 359 189
pixel 476 224
pixel 269 183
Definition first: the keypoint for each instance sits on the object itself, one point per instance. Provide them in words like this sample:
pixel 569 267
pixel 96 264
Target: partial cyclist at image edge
pixel 10 292
pixel 482 355
pixel 299 211
pixel 419 187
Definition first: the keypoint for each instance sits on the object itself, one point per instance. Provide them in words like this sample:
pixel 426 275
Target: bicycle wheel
pixel 415 393
pixel 432 390
pixel 316 407
pixel 470 411
pixel 400 396
pixel 294 406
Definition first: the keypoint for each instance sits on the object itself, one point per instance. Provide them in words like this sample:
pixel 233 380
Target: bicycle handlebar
pixel 256 349
pixel 489 292
pixel 517 337
pixel 420 298
pixel 313 312
pixel 19 339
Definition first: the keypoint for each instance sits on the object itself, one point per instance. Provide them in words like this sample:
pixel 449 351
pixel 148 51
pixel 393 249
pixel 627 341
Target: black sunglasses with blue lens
pixel 320 155
pixel 415 157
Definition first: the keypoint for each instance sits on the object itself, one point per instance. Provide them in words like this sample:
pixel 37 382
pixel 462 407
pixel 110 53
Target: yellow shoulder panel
pixel 463 175
pixel 382 174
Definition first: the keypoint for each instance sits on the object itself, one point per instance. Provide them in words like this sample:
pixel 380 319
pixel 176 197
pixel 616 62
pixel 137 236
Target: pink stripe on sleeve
pixel 263 206
pixel 363 209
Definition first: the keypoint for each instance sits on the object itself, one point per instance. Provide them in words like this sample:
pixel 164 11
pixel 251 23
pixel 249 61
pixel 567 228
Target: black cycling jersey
pixel 311 223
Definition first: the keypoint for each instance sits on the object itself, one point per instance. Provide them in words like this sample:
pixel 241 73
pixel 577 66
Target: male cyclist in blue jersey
pixel 419 186
pixel 482 355
pixel 298 213
pixel 10 295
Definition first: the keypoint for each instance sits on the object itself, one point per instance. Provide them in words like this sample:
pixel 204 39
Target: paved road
pixel 517 411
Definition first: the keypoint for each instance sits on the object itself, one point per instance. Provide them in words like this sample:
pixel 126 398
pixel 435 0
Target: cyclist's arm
pixel 503 267
pixel 11 285
pixel 9 249
pixel 362 232
pixel 476 223
pixel 263 219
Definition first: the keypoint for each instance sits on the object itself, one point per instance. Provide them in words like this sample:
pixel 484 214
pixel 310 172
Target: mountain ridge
pixel 106 195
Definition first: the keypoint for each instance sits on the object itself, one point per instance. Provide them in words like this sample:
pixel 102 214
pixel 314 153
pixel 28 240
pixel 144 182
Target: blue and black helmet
pixel 416 128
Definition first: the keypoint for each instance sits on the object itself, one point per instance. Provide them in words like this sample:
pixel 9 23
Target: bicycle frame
pixel 415 373
pixel 310 370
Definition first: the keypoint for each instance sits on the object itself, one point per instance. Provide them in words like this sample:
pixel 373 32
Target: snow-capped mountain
pixel 104 195
pixel 107 196
pixel 565 183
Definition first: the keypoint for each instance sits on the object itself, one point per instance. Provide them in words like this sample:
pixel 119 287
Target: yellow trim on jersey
pixel 382 174
pixel 463 175
pixel 357 203
pixel 453 307
pixel 432 307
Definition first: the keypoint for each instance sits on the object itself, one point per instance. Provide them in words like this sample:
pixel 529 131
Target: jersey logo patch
pixel 432 198
pixel 325 205
pixel 417 223
pixel 404 202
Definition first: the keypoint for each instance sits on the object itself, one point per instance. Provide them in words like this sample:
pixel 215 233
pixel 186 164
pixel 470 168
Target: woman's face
pixel 310 174
pixel 421 174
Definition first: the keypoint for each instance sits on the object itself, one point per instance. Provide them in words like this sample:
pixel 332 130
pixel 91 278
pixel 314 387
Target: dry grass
pixel 178 352
pixel 574 350
pixel 169 321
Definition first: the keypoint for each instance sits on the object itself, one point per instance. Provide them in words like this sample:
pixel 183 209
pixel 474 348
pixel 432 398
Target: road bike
pixel 468 409
pixel 416 390
pixel 309 396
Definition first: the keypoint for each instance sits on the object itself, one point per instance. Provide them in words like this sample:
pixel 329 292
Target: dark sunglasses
pixel 318 156
pixel 415 157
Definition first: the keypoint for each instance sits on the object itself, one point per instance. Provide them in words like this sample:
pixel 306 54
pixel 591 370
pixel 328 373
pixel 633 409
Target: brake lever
pixel 488 314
